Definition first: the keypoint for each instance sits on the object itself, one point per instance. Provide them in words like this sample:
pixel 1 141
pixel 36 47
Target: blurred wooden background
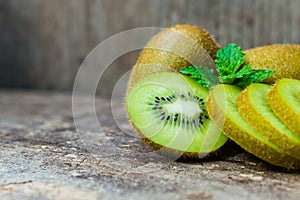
pixel 43 42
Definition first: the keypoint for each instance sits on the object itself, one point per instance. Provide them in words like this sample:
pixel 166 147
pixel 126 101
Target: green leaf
pixel 229 59
pixel 231 68
pixel 244 71
pixel 203 75
pixel 255 76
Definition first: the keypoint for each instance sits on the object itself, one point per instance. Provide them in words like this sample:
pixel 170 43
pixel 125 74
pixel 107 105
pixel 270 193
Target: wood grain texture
pixel 43 42
pixel 44 156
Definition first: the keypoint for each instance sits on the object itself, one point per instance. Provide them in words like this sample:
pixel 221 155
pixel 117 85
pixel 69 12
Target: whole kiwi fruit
pixel 175 47
pixel 283 58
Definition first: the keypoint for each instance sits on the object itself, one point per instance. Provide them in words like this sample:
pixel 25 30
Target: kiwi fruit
pixel 254 107
pixel 284 100
pixel 173 48
pixel 222 109
pixel 283 58
pixel 168 110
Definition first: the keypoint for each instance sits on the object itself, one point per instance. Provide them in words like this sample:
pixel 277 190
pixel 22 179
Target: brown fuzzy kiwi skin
pixel 246 140
pixel 263 126
pixel 282 110
pixel 283 58
pixel 154 59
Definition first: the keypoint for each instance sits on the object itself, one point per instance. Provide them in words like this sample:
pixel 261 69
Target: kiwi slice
pixel 223 111
pixel 178 46
pixel 283 58
pixel 284 100
pixel 169 110
pixel 254 107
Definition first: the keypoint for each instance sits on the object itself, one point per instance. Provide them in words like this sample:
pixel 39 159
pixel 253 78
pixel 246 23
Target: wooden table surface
pixel 43 156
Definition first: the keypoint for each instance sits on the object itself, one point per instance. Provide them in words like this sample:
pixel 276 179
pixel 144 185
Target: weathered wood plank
pixel 247 24
pixel 45 157
pixel 44 41
pixel 295 21
pixel 259 23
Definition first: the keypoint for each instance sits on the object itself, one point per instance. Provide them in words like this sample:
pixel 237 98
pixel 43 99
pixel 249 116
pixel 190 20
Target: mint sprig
pixel 231 67
pixel 203 75
pixel 228 61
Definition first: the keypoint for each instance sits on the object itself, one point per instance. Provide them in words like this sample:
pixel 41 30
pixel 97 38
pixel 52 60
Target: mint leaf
pixel 255 76
pixel 244 71
pixel 229 59
pixel 203 75
pixel 231 68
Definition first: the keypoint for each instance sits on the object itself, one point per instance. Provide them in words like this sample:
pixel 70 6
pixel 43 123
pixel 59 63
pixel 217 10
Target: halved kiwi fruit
pixel 178 46
pixel 284 100
pixel 222 109
pixel 169 110
pixel 283 58
pixel 254 107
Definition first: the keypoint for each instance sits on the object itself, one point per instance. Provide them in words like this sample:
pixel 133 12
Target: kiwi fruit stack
pixel 172 111
pixel 284 99
pixel 259 118
pixel 167 109
pixel 254 106
pixel 224 111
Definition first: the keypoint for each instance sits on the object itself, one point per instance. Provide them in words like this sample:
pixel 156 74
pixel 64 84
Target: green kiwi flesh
pixel 222 109
pixel 254 107
pixel 284 100
pixel 169 110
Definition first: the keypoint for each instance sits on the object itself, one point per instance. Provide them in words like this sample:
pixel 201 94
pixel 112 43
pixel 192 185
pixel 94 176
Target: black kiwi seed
pixel 182 96
pixel 157 98
pixel 162 98
pixel 162 114
pixel 156 101
pixel 168 99
pixel 175 118
pixel 168 117
pixel 189 93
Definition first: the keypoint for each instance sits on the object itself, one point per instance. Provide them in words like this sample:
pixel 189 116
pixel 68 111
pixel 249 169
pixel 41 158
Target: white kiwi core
pixel 187 108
